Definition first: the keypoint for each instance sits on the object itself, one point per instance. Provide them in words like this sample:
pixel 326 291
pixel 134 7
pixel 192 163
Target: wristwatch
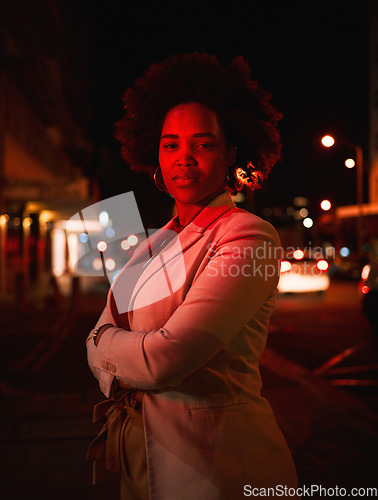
pixel 97 331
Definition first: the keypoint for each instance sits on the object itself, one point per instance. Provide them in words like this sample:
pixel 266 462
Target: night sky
pixel 313 56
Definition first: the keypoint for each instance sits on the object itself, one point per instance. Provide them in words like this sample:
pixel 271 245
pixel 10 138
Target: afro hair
pixel 244 111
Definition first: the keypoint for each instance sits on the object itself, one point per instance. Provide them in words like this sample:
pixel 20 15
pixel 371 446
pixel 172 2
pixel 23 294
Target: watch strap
pixel 96 332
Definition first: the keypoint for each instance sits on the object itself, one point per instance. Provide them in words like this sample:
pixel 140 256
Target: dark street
pixel 331 429
pixel 327 334
pixel 326 401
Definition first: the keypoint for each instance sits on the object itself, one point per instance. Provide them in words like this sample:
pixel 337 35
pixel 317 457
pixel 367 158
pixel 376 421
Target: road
pixel 48 393
pixel 328 335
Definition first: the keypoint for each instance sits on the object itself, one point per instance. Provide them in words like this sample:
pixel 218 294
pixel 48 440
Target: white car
pixel 303 274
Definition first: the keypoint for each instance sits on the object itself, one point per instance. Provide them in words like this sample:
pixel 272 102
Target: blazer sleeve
pixel 240 276
pixel 105 378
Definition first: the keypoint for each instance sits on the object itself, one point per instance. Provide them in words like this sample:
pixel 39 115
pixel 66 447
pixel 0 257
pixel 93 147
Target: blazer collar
pixel 187 237
pixel 209 214
pixel 190 233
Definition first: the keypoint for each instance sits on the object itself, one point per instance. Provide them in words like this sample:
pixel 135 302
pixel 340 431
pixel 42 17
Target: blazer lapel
pixel 163 253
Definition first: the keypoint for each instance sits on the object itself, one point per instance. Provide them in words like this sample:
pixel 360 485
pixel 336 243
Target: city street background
pixel 64 68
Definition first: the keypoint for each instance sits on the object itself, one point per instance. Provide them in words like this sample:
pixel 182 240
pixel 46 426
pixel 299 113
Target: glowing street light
pixel 328 141
pixel 325 205
pixel 298 254
pixel 308 222
pixel 349 163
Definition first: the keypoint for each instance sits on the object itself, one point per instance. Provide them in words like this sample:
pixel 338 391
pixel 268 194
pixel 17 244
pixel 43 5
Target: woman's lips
pixel 186 178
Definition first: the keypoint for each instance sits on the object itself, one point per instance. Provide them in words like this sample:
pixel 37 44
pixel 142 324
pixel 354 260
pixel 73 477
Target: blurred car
pixel 301 273
pixel 369 290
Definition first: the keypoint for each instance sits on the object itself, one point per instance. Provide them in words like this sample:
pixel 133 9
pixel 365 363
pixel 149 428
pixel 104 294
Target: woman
pixel 186 418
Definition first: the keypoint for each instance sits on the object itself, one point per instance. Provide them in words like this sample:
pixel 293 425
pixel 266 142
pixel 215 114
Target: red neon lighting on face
pixel 193 154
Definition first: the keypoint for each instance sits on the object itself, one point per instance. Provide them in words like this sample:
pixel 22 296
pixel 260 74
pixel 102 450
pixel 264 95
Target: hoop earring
pixel 159 177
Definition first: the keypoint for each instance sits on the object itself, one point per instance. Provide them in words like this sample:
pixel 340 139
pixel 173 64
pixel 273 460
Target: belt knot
pixel 107 442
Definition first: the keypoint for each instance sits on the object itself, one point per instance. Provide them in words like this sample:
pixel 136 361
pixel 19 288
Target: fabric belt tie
pixel 108 440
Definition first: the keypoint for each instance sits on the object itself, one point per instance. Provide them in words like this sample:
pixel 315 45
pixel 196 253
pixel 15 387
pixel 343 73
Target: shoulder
pixel 238 223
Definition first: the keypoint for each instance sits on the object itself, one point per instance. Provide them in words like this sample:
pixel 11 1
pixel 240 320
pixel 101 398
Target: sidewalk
pixel 46 411
pixel 332 435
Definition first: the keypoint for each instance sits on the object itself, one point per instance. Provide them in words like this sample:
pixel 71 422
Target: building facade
pixel 44 113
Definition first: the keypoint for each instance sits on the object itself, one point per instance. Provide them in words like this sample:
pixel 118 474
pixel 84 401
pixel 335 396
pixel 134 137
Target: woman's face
pixel 193 153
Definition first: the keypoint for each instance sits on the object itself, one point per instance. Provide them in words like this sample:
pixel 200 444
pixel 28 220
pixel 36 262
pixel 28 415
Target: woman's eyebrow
pixel 169 136
pixel 204 134
pixel 199 134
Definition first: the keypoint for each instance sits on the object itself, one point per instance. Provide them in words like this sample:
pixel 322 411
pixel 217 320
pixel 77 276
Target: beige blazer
pixel 195 351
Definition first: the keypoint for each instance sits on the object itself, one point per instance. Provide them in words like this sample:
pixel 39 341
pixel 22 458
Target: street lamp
pixel 329 141
pixel 349 163
pixel 325 205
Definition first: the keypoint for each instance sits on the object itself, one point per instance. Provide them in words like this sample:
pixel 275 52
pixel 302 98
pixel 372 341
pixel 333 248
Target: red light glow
pixel 322 265
pixel 285 266
pixel 325 205
pixel 298 254
pixel 328 141
pixel 365 289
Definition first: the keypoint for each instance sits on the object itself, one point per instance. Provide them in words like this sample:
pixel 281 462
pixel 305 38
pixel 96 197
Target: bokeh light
pixel 328 141
pixel 102 246
pixel 308 222
pixel 325 205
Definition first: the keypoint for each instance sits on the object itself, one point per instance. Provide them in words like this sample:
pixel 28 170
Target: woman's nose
pixel 185 159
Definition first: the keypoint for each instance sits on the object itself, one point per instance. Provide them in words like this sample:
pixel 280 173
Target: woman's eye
pixel 169 145
pixel 205 145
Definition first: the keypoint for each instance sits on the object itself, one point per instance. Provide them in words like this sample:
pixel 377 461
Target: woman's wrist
pixel 100 331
